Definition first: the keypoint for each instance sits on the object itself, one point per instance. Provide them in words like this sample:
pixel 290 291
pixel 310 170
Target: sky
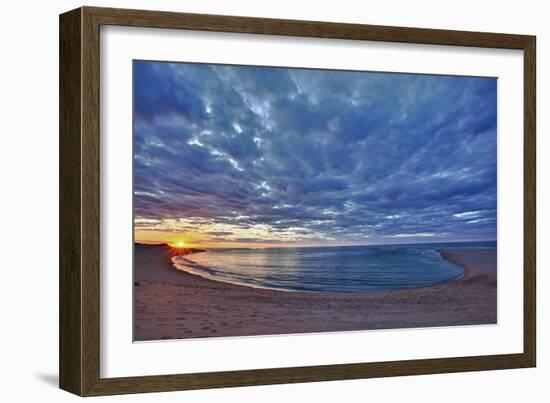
pixel 265 156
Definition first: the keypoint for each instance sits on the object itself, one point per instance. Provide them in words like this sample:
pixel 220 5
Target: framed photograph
pixel 249 201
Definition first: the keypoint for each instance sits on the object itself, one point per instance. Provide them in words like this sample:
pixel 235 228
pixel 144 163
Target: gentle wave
pixel 189 267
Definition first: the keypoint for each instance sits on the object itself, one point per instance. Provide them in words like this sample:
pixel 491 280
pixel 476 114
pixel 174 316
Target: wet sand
pixel 171 304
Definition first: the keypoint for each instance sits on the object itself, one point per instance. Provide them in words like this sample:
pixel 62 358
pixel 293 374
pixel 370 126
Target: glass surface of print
pixel 271 200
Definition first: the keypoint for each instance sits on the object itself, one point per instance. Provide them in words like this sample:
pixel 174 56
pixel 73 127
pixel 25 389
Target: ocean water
pixel 329 269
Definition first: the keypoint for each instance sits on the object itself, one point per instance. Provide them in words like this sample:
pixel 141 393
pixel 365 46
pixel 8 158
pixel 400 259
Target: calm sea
pixel 329 269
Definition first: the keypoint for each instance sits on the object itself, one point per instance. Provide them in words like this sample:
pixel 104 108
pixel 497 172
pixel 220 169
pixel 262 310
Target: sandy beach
pixel 171 304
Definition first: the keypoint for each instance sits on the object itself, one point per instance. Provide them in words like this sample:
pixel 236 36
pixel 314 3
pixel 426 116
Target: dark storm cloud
pixel 347 156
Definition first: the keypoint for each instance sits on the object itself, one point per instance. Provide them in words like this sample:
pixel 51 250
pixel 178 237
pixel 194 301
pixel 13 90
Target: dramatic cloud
pixel 258 154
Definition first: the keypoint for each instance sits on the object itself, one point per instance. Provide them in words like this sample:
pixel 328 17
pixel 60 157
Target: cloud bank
pixel 262 154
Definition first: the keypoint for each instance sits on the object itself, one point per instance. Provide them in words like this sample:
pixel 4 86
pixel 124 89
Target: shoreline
pixel 446 254
pixel 471 269
pixel 173 304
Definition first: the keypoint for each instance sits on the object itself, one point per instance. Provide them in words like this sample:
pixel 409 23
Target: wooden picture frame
pixel 79 346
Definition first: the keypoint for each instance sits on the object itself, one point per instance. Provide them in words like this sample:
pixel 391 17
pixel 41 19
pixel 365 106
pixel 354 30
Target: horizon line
pixel 259 246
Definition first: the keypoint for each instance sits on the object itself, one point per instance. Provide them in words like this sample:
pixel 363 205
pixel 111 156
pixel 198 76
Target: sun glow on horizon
pixel 178 244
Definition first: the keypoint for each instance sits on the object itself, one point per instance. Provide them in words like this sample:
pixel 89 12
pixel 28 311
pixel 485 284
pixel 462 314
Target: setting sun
pixel 178 244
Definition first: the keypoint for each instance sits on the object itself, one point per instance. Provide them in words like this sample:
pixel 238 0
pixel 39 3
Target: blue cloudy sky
pixel 237 155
